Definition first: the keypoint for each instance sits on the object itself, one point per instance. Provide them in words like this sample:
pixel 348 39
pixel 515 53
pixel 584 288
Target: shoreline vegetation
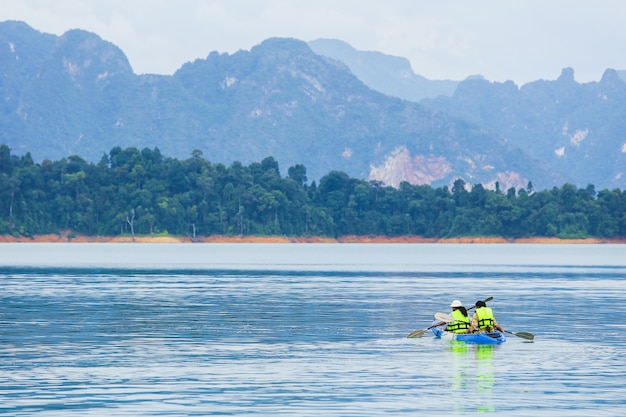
pixel 132 193
pixel 70 237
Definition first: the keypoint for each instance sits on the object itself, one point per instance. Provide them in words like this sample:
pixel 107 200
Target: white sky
pixel 519 40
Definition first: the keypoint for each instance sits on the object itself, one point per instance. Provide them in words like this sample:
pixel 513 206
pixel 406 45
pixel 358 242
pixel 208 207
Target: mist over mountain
pixel 387 74
pixel 77 94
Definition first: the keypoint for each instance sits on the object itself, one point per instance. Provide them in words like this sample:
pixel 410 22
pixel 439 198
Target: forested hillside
pixel 132 191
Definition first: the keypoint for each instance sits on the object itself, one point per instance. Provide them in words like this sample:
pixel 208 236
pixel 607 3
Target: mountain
pixel 59 93
pixel 577 129
pixel 77 94
pixel 387 74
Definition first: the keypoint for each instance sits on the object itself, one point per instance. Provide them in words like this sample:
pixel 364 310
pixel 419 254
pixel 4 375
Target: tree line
pixel 132 191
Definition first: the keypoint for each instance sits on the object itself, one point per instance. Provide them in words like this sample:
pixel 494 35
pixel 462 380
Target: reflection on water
pixel 485 379
pixel 473 376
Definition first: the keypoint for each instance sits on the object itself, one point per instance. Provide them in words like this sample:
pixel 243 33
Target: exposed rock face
pixel 507 180
pixel 420 169
pixel 401 166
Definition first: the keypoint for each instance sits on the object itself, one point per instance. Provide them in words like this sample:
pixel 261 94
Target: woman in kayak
pixel 483 319
pixel 461 323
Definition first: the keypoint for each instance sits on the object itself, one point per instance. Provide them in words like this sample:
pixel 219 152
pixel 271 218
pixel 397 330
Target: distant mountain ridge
pixel 578 129
pixel 387 74
pixel 77 94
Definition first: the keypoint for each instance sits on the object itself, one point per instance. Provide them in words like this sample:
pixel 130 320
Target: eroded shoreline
pixel 65 238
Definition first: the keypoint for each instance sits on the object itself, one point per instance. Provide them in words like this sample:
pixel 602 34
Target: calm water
pixel 307 330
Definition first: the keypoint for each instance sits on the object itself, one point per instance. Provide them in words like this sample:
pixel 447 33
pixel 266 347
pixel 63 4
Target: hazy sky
pixel 519 40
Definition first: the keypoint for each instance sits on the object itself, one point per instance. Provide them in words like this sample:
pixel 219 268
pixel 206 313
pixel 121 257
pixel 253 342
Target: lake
pixel 307 329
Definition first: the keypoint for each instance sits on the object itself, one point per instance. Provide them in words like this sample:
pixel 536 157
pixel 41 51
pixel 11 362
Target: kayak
pixel 491 338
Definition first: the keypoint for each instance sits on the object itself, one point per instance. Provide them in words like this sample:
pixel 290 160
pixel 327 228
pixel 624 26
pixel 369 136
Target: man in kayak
pixel 483 319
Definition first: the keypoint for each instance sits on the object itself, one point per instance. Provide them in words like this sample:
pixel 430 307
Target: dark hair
pixel 463 310
pixel 480 303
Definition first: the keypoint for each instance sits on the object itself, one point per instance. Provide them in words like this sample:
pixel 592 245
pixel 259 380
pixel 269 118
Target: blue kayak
pixel 491 338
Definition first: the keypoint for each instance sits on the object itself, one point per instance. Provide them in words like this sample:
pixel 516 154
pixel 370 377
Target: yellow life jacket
pixel 486 321
pixel 461 323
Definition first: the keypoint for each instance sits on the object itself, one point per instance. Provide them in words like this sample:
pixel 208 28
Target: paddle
pixel 438 316
pixel 486 300
pixel 448 318
pixel 419 333
pixel 523 335
pixel 443 317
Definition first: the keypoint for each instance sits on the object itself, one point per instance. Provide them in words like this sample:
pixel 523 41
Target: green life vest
pixel 461 323
pixel 485 317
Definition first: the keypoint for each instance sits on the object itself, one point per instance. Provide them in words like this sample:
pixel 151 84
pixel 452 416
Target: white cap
pixel 456 303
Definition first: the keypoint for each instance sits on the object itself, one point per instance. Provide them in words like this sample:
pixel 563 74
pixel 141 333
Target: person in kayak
pixel 483 319
pixel 461 323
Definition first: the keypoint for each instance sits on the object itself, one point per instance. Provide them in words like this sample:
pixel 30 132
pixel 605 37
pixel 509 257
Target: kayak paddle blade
pixel 523 335
pixel 417 333
pixel 444 317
